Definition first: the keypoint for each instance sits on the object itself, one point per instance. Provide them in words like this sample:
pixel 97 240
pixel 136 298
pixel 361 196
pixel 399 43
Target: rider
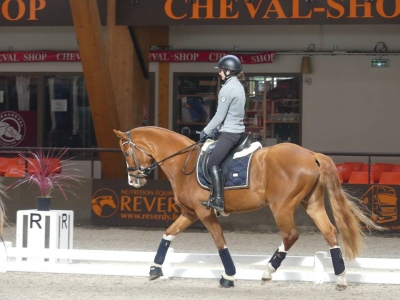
pixel 228 121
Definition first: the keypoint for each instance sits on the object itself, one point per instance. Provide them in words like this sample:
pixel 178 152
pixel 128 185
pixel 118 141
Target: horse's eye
pixel 126 154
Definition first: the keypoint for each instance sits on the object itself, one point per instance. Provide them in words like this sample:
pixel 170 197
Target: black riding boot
pixel 216 200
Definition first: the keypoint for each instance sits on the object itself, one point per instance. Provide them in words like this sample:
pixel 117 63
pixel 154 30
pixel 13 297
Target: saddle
pixel 244 143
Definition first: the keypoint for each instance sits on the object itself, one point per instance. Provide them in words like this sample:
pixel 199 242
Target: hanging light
pixel 305 65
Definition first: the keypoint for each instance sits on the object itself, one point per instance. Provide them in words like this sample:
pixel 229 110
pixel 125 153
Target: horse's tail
pixel 348 216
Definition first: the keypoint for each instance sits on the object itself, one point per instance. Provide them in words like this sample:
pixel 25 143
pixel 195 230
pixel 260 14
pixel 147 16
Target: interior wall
pixel 348 107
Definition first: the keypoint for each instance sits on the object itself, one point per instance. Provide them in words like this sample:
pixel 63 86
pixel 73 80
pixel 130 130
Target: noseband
pixel 143 171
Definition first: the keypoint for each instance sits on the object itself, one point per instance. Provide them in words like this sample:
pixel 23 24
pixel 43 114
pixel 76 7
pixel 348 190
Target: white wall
pixel 349 106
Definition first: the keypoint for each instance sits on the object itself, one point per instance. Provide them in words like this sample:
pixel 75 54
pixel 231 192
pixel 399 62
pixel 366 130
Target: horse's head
pixel 139 162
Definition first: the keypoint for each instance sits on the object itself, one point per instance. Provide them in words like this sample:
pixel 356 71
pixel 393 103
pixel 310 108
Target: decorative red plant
pixel 45 172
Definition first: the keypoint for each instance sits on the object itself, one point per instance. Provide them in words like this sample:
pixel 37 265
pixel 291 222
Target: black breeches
pixel 226 142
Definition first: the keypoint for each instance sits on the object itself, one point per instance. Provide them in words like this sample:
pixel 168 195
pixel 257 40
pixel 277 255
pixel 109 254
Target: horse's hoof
pixel 265 280
pixel 226 283
pixel 155 272
pixel 341 287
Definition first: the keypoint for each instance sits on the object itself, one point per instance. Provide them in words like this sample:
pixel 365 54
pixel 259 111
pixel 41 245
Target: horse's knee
pixel 289 238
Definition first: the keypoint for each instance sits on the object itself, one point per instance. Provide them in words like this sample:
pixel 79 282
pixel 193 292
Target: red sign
pixel 210 56
pixel 154 56
pixel 39 56
pixel 17 128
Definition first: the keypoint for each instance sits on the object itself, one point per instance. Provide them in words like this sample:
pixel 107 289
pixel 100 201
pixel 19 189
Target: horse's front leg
pixel 211 222
pixel 183 222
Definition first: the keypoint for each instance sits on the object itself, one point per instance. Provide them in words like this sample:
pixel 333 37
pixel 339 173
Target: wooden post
pixel 97 75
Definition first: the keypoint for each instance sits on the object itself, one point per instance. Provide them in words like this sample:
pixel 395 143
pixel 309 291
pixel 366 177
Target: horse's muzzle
pixel 137 182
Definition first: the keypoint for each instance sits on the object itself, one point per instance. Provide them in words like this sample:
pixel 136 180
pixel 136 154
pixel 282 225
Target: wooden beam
pixel 120 57
pixel 141 89
pixel 159 36
pixel 85 15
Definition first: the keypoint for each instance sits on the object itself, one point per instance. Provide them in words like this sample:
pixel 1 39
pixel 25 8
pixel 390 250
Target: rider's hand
pixel 214 134
pixel 203 136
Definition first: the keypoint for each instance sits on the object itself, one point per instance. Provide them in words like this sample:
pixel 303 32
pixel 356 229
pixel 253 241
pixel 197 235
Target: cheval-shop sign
pixel 154 56
pixel 208 12
pixel 257 12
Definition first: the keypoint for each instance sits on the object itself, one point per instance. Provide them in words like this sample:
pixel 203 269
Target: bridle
pixel 144 171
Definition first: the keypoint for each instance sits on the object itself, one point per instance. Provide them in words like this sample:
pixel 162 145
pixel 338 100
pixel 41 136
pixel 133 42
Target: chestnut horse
pixel 282 176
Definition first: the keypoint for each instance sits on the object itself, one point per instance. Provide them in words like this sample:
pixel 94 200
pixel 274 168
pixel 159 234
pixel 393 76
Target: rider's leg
pixel 224 145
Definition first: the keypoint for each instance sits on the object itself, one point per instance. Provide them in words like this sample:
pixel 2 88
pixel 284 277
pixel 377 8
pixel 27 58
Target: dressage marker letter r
pixel 64 221
pixel 39 218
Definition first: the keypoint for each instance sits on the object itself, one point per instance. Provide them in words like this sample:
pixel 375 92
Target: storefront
pixel 344 103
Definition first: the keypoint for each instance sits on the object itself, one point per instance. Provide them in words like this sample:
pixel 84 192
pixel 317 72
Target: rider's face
pixel 222 75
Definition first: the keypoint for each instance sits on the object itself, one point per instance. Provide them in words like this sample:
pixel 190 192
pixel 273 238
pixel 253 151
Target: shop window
pixel 196 102
pixel 18 110
pixel 18 93
pixel 67 116
pixel 272 113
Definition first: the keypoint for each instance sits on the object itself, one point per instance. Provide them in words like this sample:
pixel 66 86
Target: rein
pixel 144 171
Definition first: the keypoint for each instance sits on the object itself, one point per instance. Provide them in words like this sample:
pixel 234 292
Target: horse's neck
pixel 167 146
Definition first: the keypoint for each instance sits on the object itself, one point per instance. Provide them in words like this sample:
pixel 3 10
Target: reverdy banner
pixel 380 202
pixel 114 202
pixel 257 12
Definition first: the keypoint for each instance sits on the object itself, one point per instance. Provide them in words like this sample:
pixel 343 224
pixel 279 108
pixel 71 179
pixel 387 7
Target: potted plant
pixel 44 171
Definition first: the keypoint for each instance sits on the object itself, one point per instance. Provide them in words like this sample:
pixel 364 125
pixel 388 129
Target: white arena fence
pixel 317 268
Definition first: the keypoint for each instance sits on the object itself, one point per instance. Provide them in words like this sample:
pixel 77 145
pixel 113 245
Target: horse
pixel 282 176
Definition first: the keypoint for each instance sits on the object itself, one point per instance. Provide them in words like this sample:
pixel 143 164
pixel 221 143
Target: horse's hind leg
pixel 315 208
pixel 183 222
pixel 284 218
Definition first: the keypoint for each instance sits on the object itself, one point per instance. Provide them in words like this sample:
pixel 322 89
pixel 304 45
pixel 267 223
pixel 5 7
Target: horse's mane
pixel 176 135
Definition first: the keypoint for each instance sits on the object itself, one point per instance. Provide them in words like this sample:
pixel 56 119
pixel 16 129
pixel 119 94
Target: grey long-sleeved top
pixel 230 110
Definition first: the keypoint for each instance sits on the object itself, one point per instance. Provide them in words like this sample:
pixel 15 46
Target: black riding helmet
pixel 230 62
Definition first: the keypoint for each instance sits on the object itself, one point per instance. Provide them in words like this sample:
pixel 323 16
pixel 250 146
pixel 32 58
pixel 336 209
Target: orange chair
pixel 390 178
pixel 5 162
pixel 386 166
pixel 345 170
pixel 15 171
pixel 396 168
pixel 360 178
pixel 376 171
pixel 356 166
pixel 54 165
pixel 32 165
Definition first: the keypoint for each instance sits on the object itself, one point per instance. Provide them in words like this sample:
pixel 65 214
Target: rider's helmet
pixel 230 62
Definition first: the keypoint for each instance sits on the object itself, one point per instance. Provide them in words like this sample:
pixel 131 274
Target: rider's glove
pixel 203 136
pixel 214 134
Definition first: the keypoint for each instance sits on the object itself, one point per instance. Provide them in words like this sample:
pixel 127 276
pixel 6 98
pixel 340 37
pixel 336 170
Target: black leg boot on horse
pixel 216 200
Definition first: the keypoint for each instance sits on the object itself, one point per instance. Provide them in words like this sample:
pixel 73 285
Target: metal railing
pixel 92 153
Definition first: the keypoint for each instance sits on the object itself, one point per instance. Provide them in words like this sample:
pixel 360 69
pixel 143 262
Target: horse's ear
pixel 119 134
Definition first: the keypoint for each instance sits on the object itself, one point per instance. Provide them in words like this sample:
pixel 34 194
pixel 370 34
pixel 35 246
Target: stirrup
pixel 209 204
